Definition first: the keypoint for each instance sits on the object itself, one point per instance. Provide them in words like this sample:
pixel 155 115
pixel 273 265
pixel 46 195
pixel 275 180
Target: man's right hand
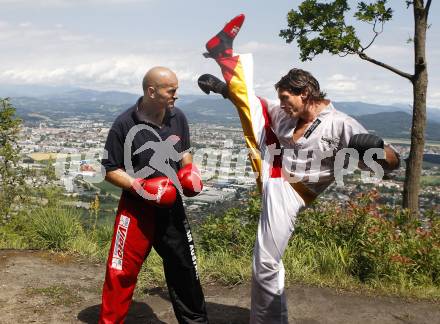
pixel 158 191
pixel 208 83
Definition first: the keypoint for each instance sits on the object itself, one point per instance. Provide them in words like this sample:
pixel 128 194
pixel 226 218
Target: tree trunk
pixel 420 85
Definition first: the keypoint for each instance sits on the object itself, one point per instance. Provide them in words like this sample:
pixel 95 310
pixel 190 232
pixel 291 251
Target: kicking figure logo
pixel 163 153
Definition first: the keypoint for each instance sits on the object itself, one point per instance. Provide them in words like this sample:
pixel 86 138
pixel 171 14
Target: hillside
pixel 396 125
pixel 387 121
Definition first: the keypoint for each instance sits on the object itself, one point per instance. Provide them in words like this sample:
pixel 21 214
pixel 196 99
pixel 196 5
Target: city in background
pixel 69 132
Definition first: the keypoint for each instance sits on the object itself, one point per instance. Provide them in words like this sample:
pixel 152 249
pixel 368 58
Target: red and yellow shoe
pixel 221 44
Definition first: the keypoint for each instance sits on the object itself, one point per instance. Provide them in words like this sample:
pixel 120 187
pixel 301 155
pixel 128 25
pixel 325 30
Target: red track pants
pixel 138 227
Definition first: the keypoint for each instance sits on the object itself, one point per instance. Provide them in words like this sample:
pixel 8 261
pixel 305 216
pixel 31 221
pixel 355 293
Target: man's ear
pixel 305 95
pixel 151 92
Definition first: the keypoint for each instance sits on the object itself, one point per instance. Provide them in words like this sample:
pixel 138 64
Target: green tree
pixel 319 27
pixel 49 171
pixel 12 181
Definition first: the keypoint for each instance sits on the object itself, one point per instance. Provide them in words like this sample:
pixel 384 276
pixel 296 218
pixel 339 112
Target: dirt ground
pixel 39 287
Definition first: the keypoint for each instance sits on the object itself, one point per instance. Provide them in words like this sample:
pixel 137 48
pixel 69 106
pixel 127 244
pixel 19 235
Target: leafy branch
pixel 320 27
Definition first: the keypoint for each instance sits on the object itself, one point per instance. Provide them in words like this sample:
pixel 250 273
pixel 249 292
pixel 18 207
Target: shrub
pixel 234 231
pixel 382 243
pixel 55 227
pixel 362 244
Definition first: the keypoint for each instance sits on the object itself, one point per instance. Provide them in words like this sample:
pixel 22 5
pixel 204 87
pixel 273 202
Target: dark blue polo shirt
pixel 128 123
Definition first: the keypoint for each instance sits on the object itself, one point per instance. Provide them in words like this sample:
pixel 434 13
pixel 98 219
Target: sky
pixel 110 44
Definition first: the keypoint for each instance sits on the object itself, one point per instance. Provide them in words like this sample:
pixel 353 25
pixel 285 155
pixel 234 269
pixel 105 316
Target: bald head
pixel 158 76
pixel 160 88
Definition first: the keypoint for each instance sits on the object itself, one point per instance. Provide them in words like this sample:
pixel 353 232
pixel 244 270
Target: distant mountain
pixel 30 108
pixel 390 124
pixel 357 108
pixel 107 105
pixel 396 125
pixel 433 113
pixel 387 121
pixel 361 108
pixel 71 94
pixel 31 90
pixel 84 95
pixel 211 111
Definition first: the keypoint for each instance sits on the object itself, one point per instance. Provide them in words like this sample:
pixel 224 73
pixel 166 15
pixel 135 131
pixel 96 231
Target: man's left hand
pixel 190 179
pixel 364 142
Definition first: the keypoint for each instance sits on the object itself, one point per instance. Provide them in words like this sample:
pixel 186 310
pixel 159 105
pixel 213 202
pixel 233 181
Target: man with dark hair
pixel 293 144
pixel 297 81
pixel 150 212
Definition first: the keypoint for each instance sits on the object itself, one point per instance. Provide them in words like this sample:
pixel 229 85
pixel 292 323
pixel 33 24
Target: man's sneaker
pixel 208 82
pixel 221 44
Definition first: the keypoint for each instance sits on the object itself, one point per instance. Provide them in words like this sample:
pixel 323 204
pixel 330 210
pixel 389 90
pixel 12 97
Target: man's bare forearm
pixel 186 159
pixel 120 178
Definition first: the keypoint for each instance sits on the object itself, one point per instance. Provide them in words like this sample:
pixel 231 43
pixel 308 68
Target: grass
pixel 55 228
pixel 430 181
pixel 364 247
pixel 107 187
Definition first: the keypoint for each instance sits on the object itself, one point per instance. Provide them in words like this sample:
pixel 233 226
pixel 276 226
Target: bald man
pixel 150 212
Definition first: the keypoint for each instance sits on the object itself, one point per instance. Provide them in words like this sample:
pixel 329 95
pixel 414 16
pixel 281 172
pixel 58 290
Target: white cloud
pixel 339 82
pixel 254 46
pixel 58 56
pixel 400 57
pixel 64 3
pixel 341 86
pixel 386 89
pixel 434 99
pixel 25 24
pixel 112 73
pixel 341 77
pixel 391 51
pixel 26 35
